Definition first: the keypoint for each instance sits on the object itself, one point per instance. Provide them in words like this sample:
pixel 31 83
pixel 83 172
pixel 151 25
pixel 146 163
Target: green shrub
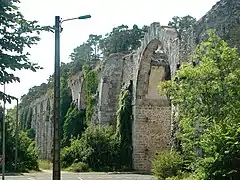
pixel 45 164
pixel 124 127
pixel 73 153
pixel 74 124
pixel 167 164
pixel 183 176
pixel 28 154
pixel 78 167
pixel 97 148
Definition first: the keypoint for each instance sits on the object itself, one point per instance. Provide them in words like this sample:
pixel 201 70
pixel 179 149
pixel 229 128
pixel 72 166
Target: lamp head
pixel 84 17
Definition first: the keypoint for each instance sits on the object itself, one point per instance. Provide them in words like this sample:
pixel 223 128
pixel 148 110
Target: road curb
pixel 12 174
pixel 119 173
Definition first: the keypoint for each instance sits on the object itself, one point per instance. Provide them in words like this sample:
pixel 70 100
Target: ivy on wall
pixel 91 85
pixel 124 126
pixel 74 124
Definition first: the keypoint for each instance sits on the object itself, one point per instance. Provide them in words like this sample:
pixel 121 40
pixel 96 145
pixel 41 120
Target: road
pixel 80 176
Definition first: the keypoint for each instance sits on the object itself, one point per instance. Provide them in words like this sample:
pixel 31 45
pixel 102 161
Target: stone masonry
pixel 42 123
pixel 155 61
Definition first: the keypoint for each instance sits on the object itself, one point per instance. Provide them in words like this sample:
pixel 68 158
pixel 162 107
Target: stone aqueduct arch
pixel 156 61
pixel 153 62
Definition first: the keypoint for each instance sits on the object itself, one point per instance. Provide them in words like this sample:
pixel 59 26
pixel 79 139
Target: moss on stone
pixel 124 127
pixel 91 85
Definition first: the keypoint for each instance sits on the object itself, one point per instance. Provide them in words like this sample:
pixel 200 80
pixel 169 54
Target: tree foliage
pixel 167 164
pixel 122 39
pixel 181 24
pixel 207 95
pixel 16 34
pixel 74 124
pixel 96 148
pixel 27 153
pixel 91 85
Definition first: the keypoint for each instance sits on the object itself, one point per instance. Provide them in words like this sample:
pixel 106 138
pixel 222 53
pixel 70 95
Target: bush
pixel 78 167
pixel 28 154
pixel 74 124
pixel 183 176
pixel 74 153
pixel 167 164
pixel 97 148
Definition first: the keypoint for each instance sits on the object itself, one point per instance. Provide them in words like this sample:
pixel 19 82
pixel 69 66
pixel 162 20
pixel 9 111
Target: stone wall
pixel 75 83
pixel 42 123
pixel 156 61
pixel 116 70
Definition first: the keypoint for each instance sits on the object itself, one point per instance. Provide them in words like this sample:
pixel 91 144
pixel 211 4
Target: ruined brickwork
pixel 155 61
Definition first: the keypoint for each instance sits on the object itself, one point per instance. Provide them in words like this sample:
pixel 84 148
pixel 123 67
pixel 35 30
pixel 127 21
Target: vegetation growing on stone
pixel 91 85
pixel 124 127
pixel 74 124
pixel 206 92
pixel 207 96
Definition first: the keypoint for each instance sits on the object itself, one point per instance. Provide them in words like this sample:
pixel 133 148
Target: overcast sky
pixel 106 14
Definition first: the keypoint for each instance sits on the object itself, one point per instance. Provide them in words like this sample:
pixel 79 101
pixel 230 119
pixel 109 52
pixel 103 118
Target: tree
pixel 27 153
pixel 207 95
pixel 81 55
pixel 16 34
pixel 121 39
pixel 181 24
pixel 94 41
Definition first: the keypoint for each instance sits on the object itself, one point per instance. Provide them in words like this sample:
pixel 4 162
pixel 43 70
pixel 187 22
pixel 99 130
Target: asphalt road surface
pixel 80 176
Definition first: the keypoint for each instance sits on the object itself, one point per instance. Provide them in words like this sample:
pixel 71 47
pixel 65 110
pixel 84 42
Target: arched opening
pixel 152 118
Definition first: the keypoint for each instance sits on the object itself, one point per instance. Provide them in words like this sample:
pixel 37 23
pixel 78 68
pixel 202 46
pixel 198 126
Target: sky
pixel 106 14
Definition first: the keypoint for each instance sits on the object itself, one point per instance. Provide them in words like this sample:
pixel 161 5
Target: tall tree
pixel 16 34
pixel 80 55
pixel 181 24
pixel 121 39
pixel 94 41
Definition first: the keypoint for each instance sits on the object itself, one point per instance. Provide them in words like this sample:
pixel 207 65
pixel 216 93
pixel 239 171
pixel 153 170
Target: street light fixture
pixel 56 98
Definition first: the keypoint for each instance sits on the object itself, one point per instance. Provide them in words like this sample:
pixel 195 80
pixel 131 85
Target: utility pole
pixel 16 138
pixel 56 105
pixel 3 134
pixel 56 97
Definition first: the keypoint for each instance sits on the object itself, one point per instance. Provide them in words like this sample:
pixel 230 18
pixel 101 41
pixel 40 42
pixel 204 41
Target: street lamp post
pixel 3 135
pixel 56 105
pixel 16 137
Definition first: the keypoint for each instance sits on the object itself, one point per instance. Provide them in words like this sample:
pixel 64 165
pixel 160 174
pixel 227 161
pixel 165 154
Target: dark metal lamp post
pixel 56 105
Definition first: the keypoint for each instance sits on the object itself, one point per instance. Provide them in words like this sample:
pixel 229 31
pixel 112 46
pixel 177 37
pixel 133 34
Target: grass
pixel 45 165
